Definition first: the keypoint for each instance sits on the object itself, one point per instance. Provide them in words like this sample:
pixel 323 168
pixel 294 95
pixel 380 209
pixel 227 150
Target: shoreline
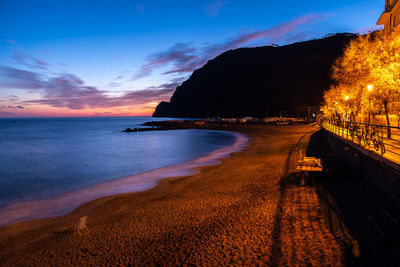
pixel 247 211
pixel 66 203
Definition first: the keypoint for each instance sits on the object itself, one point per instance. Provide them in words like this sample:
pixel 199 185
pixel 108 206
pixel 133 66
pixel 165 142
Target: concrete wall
pixel 376 169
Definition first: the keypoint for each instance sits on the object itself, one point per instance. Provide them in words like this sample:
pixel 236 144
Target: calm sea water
pixel 41 158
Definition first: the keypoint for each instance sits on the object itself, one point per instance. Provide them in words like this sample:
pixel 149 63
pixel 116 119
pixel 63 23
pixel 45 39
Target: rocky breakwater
pixel 167 125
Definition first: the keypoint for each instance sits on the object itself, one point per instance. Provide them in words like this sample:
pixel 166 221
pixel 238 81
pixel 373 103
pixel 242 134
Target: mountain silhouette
pixel 258 82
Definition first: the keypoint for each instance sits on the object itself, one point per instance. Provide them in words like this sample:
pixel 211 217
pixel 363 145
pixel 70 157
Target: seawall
pixel 378 170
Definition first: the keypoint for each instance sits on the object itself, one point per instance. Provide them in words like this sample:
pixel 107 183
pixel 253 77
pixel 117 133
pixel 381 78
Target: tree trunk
pixel 352 117
pixel 389 134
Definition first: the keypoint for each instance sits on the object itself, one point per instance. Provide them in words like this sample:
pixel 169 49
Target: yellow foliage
pixel 372 59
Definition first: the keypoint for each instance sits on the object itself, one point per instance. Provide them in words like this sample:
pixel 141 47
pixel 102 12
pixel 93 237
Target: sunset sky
pixel 121 58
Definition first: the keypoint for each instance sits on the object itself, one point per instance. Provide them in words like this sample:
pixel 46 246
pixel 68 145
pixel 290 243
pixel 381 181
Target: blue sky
pixel 110 58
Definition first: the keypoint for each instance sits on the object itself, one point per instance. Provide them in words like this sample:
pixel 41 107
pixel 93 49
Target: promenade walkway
pixel 391 145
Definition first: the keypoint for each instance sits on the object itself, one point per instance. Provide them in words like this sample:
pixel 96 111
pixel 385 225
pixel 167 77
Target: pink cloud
pixel 18 107
pixel 68 90
pixel 185 57
pixel 19 79
pixel 13 98
pixel 277 33
pixel 29 61
pixel 180 53
pixel 96 100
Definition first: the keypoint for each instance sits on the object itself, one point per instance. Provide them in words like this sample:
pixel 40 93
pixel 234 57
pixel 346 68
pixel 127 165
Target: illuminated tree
pixel 351 69
pixel 340 100
pixel 372 59
pixel 384 64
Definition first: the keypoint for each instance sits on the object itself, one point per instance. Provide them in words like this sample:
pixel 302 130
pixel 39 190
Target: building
pixel 390 18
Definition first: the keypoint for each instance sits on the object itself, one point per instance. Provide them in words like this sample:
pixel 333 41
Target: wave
pixel 68 202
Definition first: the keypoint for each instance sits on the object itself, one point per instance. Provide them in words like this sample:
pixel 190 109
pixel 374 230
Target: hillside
pixel 259 82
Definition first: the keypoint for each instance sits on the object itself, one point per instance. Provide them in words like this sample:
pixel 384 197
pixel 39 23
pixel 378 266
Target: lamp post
pixel 346 98
pixel 370 87
pixel 362 106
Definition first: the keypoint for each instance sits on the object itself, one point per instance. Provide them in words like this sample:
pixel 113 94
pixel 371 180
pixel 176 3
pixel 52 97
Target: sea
pixel 50 166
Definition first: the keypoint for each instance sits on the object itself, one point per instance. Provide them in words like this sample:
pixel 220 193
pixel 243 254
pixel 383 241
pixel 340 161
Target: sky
pixel 121 58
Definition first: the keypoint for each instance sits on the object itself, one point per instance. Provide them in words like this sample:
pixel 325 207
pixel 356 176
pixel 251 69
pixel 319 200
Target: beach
pixel 248 210
pixel 65 203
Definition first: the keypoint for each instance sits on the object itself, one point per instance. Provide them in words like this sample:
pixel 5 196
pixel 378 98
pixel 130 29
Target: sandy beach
pixel 248 210
pixel 65 203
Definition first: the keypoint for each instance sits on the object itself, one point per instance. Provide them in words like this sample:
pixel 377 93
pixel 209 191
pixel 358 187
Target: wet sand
pixel 248 210
pixel 67 202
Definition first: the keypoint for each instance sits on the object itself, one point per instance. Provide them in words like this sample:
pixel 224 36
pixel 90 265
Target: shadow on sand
pixel 348 201
pixel 301 235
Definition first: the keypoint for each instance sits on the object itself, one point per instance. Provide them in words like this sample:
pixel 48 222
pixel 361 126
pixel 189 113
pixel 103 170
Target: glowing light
pixel 369 62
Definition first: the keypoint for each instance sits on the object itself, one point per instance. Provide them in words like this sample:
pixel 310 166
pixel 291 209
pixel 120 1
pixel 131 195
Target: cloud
pixel 10 41
pixel 20 107
pixel 180 53
pixel 277 34
pixel 29 61
pixel 93 100
pixel 151 94
pixel 62 86
pixel 185 57
pixel 212 9
pixel 68 90
pixel 114 84
pixel 165 86
pixel 13 98
pixel 19 79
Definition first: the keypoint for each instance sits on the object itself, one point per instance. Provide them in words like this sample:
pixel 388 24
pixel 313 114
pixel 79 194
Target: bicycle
pixel 358 134
pixel 353 131
pixel 367 136
pixel 377 141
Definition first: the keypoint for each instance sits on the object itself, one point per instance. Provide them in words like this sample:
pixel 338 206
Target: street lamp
pixel 346 98
pixel 370 87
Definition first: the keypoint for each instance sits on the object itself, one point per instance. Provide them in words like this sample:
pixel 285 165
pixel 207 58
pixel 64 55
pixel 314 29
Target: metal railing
pixel 381 139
